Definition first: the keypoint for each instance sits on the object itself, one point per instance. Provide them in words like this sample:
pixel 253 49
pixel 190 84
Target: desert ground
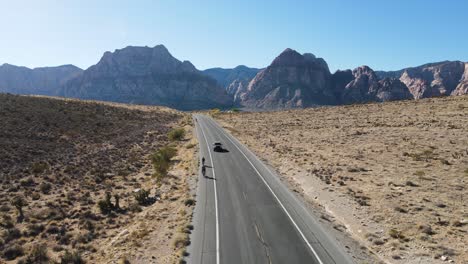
pixel 393 175
pixel 84 182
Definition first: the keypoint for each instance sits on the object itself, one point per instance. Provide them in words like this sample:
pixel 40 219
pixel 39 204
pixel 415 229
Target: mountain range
pixel 144 75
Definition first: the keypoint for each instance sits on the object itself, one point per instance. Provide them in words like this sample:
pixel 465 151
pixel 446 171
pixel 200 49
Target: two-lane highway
pixel 244 214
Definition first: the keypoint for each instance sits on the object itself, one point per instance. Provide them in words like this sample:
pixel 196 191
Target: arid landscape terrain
pixel 394 175
pixel 93 182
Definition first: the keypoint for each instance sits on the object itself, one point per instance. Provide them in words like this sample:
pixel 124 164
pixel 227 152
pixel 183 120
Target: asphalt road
pixel 244 214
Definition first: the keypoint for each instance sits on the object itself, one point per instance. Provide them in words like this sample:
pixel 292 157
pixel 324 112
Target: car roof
pixel 217 143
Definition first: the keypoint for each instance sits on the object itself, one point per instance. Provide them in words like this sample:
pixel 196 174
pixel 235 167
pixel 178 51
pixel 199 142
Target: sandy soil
pixel 393 175
pixel 60 158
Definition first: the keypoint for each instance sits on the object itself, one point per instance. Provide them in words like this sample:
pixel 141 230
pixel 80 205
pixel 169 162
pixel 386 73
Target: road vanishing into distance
pixel 244 214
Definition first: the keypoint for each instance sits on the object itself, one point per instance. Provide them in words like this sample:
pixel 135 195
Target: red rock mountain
pixel 292 80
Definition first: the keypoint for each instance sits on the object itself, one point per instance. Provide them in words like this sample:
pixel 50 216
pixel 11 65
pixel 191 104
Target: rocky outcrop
pixel 292 80
pixel 339 80
pixel 462 87
pixel 39 81
pixel 143 75
pixel 367 87
pixel 428 80
pixel 391 89
pixel 362 88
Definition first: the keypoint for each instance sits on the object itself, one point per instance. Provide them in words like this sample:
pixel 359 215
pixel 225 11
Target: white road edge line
pixel 277 199
pixel 215 194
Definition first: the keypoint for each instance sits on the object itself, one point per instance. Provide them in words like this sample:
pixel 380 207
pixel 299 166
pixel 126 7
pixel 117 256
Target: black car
pixel 218 147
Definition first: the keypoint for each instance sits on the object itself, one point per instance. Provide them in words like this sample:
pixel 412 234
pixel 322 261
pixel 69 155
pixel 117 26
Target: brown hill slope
pixel 60 158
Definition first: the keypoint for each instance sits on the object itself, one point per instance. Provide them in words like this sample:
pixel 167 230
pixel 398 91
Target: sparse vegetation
pixel 176 134
pixel 37 255
pixel 142 197
pixel 19 202
pixel 161 160
pixel 71 258
pixel 63 160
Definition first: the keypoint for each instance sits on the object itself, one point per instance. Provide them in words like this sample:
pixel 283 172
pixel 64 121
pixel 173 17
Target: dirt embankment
pixel 394 174
pixel 73 176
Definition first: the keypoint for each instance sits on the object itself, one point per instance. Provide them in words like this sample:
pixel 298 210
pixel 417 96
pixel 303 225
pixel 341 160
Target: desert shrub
pixel 106 206
pixel 189 202
pixel 4 208
pixel 181 240
pixel 161 160
pixel 64 238
pixel 214 112
pixel 11 234
pixel 45 187
pixel 142 197
pixel 176 134
pixel 7 221
pixel 426 229
pixel 37 255
pixel 134 207
pixel 27 182
pixel 71 258
pixel 19 202
pixel 35 229
pixel 12 252
pixel 53 229
pixel 35 196
pixel 124 260
pixel 39 167
pixel 396 234
pixel 401 210
pixel 190 146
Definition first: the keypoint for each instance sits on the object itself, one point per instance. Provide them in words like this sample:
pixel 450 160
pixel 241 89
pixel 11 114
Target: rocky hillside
pixel 365 86
pixel 144 75
pixel 41 81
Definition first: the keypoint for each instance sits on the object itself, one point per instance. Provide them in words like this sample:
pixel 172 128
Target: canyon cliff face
pixel 39 81
pixel 462 87
pixel 436 79
pixel 295 81
pixel 292 80
pixel 367 87
pixel 143 75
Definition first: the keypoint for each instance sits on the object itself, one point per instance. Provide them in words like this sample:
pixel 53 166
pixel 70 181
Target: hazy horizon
pixel 384 36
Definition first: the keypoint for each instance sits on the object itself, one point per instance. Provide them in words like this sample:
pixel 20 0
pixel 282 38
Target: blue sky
pixel 385 34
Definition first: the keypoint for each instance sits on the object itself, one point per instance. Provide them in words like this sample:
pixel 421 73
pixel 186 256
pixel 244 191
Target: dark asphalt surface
pixel 244 214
